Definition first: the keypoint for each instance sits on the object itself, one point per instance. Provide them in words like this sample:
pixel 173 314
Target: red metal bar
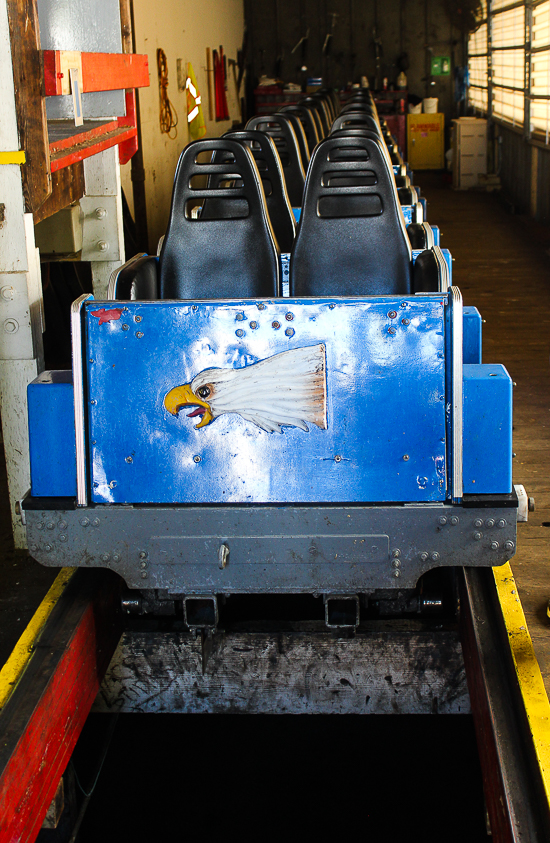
pixel 64 158
pixel 100 71
pixel 85 136
pixel 43 718
pixel 130 146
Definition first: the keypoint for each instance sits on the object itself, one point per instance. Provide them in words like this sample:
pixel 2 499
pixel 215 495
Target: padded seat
pixel 352 239
pixel 355 120
pixel 231 254
pixel 308 122
pixel 280 129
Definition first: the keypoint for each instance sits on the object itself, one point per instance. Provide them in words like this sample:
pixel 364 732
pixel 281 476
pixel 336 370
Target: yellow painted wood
pixel 425 141
pixel 15 666
pixel 535 698
pixel 12 158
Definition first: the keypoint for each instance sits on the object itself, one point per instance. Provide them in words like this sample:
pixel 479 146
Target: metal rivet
pixel 391 331
pixel 105 557
pixel 396 563
pixel 143 554
pixel 116 557
pixel 405 457
pixel 403 304
pixel 276 325
pixel 125 327
pixel 96 522
pixel 435 556
pixel 396 553
pixel 337 458
pixel 11 326
pixel 495 545
pixel 260 306
pixel 33 547
pixel 332 306
pixel 125 309
pixel 392 314
pixel 50 525
pixel 289 317
pixel 239 317
pixel 92 360
pixel 442 520
pixel 138 318
pixel 84 522
pixel 113 484
pixel 440 355
pixel 62 525
pixel 194 308
pixel 48 547
pixel 290 332
pixel 103 246
pixel 93 401
pixel 239 332
pixel 139 334
pixel 397 573
pixel 424 556
pixel 62 537
pixel 253 325
pixel 129 459
pixel 7 293
pixel 490 522
pixel 143 564
pixel 405 321
pixel 509 545
pixel 144 575
pixel 455 520
pixel 96 484
pixel 478 522
pixel 40 526
pixel 478 536
pixel 100 213
pixel 197 458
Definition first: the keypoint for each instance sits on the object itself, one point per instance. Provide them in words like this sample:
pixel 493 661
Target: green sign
pixel 441 66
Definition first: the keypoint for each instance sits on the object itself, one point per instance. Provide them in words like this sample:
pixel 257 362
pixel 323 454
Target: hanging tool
pixel 210 74
pixel 222 112
pixel 326 46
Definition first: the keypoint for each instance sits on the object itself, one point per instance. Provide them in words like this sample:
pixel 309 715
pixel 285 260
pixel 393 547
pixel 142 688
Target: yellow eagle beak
pixel 182 396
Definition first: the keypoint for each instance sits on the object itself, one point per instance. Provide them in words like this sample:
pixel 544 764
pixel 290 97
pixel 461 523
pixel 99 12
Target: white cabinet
pixel 469 144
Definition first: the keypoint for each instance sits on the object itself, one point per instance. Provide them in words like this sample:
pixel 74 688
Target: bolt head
pixel 144 575
pixel 490 522
pixel 105 557
pixel 397 573
pixel 478 536
pixel 495 545
pixel 424 556
pixel 501 523
pixel 435 556
pixel 84 522
pixel 96 522
pixel 442 520
pixel 478 522
pixel 143 554
pixel 102 246
pixel 509 545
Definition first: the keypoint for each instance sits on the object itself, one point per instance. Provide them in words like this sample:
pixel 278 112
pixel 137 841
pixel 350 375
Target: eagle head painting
pixel 286 390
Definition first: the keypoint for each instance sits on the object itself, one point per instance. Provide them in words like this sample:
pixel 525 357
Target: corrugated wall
pixel 516 174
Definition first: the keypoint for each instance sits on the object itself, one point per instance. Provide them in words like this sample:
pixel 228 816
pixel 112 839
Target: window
pixel 477 68
pixel 540 71
pixel 508 62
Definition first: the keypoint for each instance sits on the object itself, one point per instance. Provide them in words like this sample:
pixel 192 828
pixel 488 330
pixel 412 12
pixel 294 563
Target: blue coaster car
pixel 218 438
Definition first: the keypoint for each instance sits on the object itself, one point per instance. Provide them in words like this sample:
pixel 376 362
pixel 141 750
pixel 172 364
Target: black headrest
pixel 269 166
pixel 231 254
pixel 303 146
pixel 280 129
pixel 420 235
pixel 136 280
pixel 356 105
pixel 308 122
pixel 355 120
pixel 431 273
pixel 352 239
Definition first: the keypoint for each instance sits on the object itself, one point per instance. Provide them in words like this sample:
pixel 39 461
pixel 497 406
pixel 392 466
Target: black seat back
pixel 355 120
pixel 280 129
pixel 352 239
pixel 310 103
pixel 308 122
pixel 232 252
pixel 303 146
pixel 269 166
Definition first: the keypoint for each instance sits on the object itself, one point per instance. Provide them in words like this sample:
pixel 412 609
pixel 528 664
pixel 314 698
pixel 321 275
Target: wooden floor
pixel 502 266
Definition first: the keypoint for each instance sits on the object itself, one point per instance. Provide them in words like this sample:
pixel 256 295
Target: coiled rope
pixel 168 117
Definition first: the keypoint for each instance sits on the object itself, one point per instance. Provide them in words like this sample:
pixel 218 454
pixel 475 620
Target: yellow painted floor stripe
pixel 535 698
pixel 22 652
pixel 12 157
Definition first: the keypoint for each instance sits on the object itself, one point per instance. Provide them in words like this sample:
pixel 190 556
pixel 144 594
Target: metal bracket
pixel 99 228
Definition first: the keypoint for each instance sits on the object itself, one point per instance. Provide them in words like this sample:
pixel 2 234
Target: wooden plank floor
pixel 502 266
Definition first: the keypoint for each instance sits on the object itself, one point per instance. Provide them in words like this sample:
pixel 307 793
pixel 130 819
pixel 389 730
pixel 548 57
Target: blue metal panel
pixel 297 213
pixel 51 435
pixel 407 213
pixel 424 203
pixel 437 235
pixel 487 462
pixel 472 335
pixel 383 438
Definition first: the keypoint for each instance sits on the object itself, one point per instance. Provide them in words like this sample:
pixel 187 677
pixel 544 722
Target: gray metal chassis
pixel 272 549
